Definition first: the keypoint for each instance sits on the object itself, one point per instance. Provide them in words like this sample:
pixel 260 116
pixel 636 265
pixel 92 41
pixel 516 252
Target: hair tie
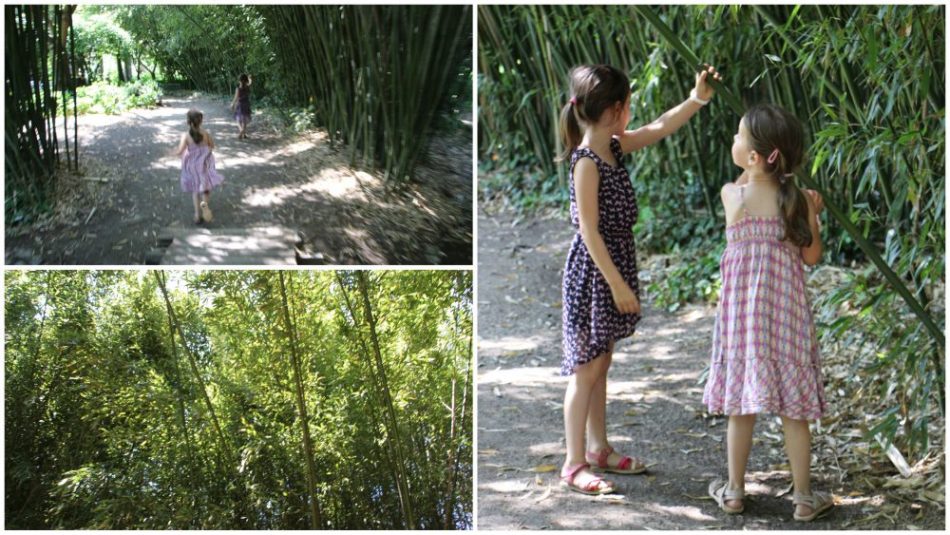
pixel 574 101
pixel 786 177
pixel 773 156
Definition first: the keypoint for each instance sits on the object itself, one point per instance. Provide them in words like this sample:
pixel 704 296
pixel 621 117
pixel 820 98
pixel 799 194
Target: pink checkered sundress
pixel 764 351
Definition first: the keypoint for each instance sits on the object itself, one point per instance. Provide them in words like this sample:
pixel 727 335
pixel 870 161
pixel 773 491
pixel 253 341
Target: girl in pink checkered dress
pixel 765 352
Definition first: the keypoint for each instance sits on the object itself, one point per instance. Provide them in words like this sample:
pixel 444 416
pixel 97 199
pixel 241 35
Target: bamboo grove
pixel 228 399
pixel 40 63
pixel 378 79
pixel 867 81
pixel 376 76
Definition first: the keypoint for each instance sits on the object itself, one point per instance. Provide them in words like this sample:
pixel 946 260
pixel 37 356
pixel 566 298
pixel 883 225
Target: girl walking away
pixel 198 173
pixel 600 289
pixel 241 105
pixel 765 352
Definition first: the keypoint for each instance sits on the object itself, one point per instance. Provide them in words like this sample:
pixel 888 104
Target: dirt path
pixel 654 411
pixel 270 179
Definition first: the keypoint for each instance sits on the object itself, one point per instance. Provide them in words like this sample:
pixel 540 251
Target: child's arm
pixel 182 143
pixel 586 183
pixel 672 120
pixel 234 100
pixel 811 255
pixel 210 140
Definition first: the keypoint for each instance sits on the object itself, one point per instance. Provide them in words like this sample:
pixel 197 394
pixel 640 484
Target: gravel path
pixel 131 193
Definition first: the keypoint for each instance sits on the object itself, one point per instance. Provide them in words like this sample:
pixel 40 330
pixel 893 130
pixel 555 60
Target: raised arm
pixel 673 119
pixel 586 184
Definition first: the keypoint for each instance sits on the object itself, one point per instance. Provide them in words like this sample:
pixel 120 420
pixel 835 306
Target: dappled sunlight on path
pixel 345 214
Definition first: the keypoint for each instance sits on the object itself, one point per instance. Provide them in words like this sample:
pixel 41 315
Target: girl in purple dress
pixel 198 173
pixel 600 290
pixel 241 105
pixel 765 352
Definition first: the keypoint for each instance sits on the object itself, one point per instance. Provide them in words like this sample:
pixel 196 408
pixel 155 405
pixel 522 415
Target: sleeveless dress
pixel 591 321
pixel 765 351
pixel 198 171
pixel 242 111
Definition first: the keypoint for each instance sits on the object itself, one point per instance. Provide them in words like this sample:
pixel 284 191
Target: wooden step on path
pixel 271 245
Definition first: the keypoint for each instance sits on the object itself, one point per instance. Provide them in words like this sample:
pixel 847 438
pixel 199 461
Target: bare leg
pixel 597 412
pixel 577 400
pixel 798 448
pixel 194 197
pixel 738 445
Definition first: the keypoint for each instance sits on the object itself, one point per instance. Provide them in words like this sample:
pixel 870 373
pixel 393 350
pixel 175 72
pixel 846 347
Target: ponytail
pixel 194 125
pixel 794 208
pixel 570 131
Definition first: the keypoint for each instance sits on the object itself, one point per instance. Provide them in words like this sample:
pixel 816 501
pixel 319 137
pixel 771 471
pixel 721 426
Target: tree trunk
pixel 291 332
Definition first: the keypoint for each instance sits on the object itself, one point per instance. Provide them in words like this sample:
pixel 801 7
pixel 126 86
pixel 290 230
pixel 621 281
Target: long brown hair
pixel 594 89
pixel 772 129
pixel 194 124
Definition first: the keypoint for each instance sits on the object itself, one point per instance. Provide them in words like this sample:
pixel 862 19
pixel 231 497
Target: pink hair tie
pixel 574 101
pixel 773 156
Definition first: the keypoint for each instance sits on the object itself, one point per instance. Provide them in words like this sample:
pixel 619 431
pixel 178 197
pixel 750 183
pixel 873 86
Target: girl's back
pixel 198 172
pixel 764 328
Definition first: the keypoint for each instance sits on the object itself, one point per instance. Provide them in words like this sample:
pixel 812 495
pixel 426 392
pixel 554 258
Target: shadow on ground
pixel 130 193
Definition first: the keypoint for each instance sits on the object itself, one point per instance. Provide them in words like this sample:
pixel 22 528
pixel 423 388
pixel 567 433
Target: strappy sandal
pixel 627 465
pixel 206 212
pixel 819 502
pixel 593 487
pixel 720 491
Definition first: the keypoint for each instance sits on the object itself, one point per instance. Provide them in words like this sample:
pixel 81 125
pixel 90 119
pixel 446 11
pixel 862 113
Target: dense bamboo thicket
pixel 375 76
pixel 254 400
pixel 39 66
pixel 868 83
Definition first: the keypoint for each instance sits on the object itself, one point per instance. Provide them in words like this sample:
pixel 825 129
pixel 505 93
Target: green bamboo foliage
pixel 37 65
pixel 375 76
pixel 238 400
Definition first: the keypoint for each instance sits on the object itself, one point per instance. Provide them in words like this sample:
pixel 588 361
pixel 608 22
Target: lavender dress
pixel 591 321
pixel 765 352
pixel 198 171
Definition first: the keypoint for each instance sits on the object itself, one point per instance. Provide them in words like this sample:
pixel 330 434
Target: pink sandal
pixel 593 487
pixel 627 465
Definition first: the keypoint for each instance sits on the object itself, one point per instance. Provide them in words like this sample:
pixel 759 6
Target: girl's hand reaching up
pixel 816 200
pixel 625 299
pixel 705 90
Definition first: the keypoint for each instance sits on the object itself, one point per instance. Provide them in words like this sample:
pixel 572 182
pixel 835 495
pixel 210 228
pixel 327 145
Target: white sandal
pixel 818 501
pixel 720 491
